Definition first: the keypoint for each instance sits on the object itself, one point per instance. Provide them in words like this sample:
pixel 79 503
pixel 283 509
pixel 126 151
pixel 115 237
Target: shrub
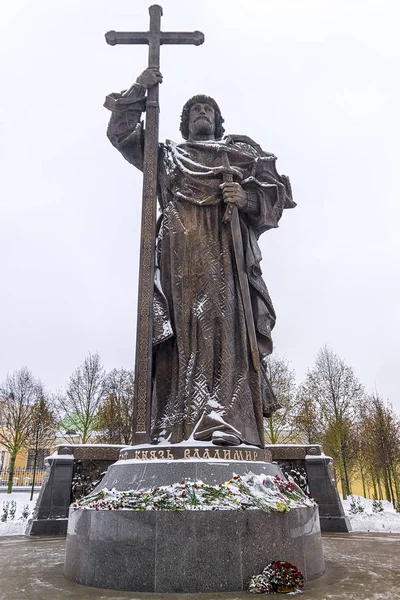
pixel 12 510
pixel 4 516
pixel 377 506
pixel 356 506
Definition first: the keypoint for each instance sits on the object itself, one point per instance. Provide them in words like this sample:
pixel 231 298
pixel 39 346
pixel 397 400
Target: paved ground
pixel 359 567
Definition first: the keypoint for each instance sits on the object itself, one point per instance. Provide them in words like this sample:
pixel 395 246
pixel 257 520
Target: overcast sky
pixel 315 82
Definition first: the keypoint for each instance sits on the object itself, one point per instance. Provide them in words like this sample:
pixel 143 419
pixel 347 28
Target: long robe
pixel 203 377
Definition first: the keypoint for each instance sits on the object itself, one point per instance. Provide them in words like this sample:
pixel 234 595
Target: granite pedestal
pixel 137 470
pixel 190 551
pixel 323 488
pixel 320 480
pixel 50 515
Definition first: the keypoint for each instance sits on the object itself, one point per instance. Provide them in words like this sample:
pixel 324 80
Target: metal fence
pixel 22 477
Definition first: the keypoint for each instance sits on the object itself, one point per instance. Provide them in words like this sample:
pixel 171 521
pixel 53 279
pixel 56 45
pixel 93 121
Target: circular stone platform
pixel 190 551
pixel 146 466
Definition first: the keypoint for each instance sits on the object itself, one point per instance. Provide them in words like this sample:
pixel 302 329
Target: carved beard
pixel 202 126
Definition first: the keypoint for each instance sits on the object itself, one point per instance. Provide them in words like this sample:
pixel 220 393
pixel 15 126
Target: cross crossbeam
pixel 176 37
pixel 144 335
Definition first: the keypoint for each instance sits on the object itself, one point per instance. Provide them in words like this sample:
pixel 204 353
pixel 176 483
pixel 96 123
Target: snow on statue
pixel 206 386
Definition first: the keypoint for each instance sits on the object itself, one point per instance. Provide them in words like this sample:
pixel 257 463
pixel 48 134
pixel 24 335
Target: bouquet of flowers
pixel 278 576
pixel 259 584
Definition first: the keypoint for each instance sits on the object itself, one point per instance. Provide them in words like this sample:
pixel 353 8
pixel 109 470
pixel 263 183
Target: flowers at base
pixel 249 491
pixel 259 584
pixel 278 576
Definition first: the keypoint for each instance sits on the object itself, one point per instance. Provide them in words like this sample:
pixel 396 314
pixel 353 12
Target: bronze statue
pixel 204 313
pixel 205 383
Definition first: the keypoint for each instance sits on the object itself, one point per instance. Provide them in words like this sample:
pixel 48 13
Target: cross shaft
pixel 144 336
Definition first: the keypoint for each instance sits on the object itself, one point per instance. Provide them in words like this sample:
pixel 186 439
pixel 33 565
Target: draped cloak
pixel 203 378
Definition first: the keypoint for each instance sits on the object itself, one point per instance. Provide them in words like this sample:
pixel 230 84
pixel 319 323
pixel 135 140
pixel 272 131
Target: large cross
pixel 144 333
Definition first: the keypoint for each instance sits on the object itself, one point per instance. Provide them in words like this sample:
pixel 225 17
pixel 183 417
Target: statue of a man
pixel 204 384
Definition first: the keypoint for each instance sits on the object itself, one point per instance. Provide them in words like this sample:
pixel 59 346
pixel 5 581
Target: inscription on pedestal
pixel 203 453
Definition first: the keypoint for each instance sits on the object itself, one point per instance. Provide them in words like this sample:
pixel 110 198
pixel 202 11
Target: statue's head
pixel 201 115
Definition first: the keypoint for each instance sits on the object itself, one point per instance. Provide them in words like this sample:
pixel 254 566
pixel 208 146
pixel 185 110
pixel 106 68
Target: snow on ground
pixel 17 525
pixel 387 521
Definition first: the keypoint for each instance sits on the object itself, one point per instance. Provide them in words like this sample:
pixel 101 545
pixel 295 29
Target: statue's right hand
pixel 149 77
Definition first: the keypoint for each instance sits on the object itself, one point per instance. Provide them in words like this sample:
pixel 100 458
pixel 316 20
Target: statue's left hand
pixel 234 193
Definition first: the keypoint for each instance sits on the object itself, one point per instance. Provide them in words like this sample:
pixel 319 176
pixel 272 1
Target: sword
pixel 232 216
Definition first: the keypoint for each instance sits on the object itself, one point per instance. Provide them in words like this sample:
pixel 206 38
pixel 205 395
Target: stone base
pixel 136 474
pixel 335 524
pixel 50 516
pixel 47 527
pixel 189 552
pixel 324 491
pixel 317 467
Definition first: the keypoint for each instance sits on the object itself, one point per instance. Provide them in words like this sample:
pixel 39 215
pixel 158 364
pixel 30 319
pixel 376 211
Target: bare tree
pixel 339 440
pixel 84 395
pixel 279 427
pixel 363 459
pixel 336 389
pixel 307 421
pixel 381 430
pixel 115 415
pixel 41 429
pixel 18 394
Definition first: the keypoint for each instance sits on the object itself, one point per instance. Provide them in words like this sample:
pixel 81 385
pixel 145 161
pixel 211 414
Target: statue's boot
pixel 213 426
pixel 222 438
